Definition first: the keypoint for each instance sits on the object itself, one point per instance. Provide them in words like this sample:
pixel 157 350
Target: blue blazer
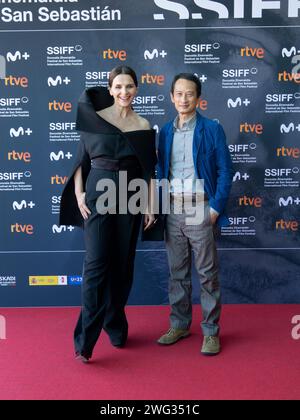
pixel 212 161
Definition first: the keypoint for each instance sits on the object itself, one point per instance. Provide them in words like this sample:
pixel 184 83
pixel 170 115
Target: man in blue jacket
pixel 193 148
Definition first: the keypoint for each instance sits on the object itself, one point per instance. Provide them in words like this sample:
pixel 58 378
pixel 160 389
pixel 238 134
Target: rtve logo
pixel 24 156
pixel 114 55
pixel 58 180
pixel 60 106
pixel 58 81
pixel 20 81
pixel 293 152
pixel 285 129
pixel 153 79
pixel 202 104
pixel 251 128
pixel 250 201
pixel 17 55
pixel 253 52
pixel 20 131
pixel 22 205
pixel 289 77
pixel 19 228
pixel 291 225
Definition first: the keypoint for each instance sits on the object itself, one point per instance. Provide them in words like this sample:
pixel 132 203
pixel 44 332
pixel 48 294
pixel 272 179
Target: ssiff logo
pixel 2 328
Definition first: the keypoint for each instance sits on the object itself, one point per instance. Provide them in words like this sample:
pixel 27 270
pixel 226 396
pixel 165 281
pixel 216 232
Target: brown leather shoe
pixel 172 336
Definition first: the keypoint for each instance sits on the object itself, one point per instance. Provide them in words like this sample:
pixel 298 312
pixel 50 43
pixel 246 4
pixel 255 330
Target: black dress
pixel 110 239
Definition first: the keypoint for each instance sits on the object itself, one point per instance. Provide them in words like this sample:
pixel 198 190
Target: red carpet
pixel 260 360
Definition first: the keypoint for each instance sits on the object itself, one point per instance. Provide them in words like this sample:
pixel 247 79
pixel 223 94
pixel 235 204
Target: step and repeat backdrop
pixel 246 54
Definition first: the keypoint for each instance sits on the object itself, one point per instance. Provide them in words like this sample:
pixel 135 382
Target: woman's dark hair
pixel 122 70
pixel 187 76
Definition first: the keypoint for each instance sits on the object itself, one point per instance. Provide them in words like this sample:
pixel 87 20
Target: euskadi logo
pixel 17 56
pixel 13 101
pixel 238 102
pixel 289 201
pixel 296 329
pixel 20 131
pixel 64 50
pixel 238 176
pixel 239 73
pixel 60 229
pixel 290 52
pixel 154 54
pixel 60 155
pixel 16 205
pixel 58 81
pixel 291 127
pixel 221 11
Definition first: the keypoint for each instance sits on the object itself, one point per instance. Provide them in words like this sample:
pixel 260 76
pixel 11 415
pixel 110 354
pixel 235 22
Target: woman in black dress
pixel 113 138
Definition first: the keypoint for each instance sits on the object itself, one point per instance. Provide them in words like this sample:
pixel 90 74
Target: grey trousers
pixel 181 239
